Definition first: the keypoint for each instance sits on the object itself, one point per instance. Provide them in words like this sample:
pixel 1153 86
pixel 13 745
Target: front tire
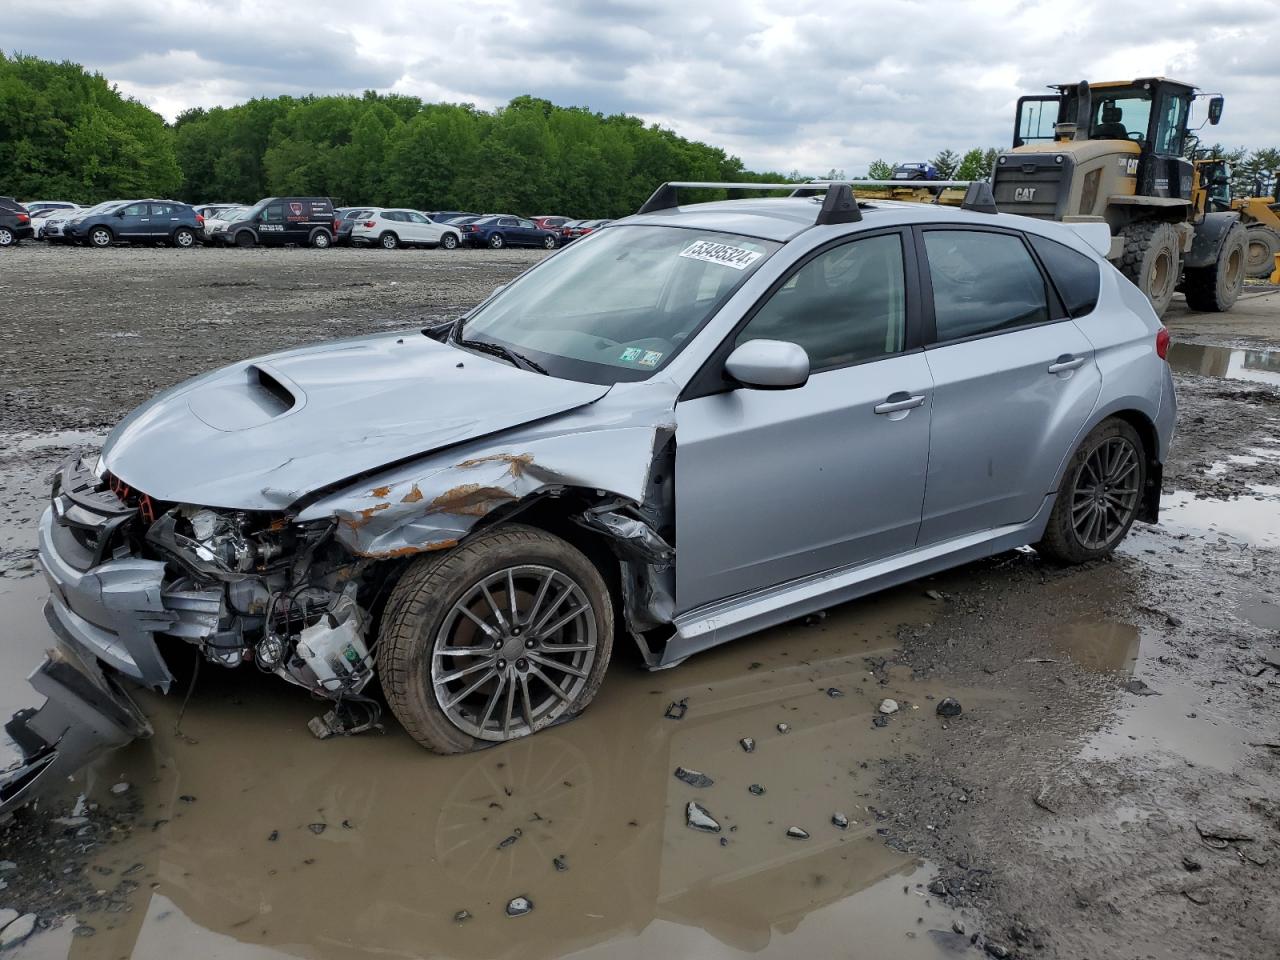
pixel 1100 495
pixel 1215 288
pixel 460 671
pixel 100 237
pixel 1264 244
pixel 449 242
pixel 1151 260
pixel 246 239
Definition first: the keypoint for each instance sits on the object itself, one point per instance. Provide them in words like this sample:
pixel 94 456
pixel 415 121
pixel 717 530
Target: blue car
pixel 500 231
pixel 137 221
pixel 915 171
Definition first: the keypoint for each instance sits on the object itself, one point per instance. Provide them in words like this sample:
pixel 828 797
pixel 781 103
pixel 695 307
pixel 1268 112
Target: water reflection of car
pixel 478 500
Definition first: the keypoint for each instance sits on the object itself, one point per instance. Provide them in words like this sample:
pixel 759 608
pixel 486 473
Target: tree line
pixel 68 133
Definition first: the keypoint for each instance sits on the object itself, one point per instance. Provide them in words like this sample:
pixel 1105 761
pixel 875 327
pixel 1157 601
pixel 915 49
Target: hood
pixel 260 434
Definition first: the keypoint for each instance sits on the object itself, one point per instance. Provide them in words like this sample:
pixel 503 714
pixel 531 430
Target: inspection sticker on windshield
pixel 739 258
pixel 646 358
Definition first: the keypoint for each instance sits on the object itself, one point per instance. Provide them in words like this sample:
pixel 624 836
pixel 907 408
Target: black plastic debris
pixel 797 833
pixel 508 841
pixel 698 818
pixel 519 906
pixel 724 841
pixel 880 720
pixel 273 836
pixel 756 790
pixel 834 692
pixel 1140 689
pixel 560 863
pixel 677 709
pixel 693 778
pixel 949 707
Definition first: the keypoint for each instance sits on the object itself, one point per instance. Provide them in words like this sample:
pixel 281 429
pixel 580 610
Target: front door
pixel 772 485
pixel 1014 382
pixel 134 222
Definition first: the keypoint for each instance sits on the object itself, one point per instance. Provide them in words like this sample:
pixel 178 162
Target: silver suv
pixel 695 423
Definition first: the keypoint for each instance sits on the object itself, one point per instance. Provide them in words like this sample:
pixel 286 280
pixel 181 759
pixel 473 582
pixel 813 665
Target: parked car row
pixel 279 221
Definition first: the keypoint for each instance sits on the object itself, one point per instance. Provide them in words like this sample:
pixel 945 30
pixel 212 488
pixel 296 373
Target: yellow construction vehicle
pixel 1113 153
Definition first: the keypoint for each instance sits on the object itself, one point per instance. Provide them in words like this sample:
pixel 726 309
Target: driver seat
pixel 1110 128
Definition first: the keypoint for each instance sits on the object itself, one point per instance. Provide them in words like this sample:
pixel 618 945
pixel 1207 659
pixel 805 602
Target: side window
pixel 1074 274
pixel 527 224
pixel 983 283
pixel 845 305
pixel 162 210
pixel 506 222
pixel 417 218
pixel 273 214
pixel 136 210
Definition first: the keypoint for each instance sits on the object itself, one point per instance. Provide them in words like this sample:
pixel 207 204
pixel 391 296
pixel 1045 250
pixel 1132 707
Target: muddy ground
pixel 1111 789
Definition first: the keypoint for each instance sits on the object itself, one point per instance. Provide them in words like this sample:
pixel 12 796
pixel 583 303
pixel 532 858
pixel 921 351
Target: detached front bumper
pixel 86 713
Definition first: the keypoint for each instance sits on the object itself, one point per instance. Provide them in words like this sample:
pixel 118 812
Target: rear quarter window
pixel 1075 275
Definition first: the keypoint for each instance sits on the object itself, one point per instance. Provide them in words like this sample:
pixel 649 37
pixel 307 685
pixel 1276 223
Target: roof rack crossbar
pixel 838 206
pixel 979 198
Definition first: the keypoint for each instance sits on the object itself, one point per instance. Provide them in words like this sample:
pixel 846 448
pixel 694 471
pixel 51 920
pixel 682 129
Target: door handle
pixel 896 402
pixel 1066 362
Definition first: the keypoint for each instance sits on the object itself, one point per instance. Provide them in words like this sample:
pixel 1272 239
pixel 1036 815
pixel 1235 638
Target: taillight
pixel 1162 343
pixel 199 219
pixel 24 218
pixel 335 225
pixel 368 224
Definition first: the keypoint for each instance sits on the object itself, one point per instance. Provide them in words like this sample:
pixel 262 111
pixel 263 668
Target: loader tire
pixel 1151 260
pixel 1215 288
pixel 1264 244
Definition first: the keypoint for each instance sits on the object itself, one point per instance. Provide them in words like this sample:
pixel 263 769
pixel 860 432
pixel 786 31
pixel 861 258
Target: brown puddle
pixel 377 844
pixel 1260 366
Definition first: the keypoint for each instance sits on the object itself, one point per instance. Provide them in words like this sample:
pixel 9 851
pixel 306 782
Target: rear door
pixel 772 485
pixel 164 219
pixel 1014 380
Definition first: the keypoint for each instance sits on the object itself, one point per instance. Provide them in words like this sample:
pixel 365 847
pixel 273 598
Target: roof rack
pixel 838 204
pixel 979 198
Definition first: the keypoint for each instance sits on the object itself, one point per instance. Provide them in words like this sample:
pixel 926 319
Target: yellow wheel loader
pixel 1113 153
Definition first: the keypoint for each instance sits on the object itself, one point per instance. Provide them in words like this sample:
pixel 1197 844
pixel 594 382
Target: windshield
pixel 620 304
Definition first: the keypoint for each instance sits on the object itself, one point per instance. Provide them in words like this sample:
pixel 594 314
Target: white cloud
pixel 807 84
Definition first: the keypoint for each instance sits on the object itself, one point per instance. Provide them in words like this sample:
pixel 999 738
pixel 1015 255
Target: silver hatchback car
pixel 695 423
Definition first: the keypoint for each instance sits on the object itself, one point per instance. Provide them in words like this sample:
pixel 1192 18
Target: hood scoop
pixel 264 395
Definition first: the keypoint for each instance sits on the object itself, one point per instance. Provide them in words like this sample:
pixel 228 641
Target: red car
pixel 580 228
pixel 550 223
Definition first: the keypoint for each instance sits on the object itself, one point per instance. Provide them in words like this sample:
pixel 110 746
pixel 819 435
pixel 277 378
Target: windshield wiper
pixel 498 350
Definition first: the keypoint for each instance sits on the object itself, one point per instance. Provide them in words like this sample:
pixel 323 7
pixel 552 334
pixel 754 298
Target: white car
pixel 49 227
pixel 35 206
pixel 223 217
pixel 404 228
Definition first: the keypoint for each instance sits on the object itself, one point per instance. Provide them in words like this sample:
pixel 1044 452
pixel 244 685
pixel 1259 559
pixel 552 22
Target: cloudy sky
pixel 800 84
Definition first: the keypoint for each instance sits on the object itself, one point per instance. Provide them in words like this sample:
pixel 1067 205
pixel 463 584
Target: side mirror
pixel 769 365
pixel 1215 110
pixel 120 214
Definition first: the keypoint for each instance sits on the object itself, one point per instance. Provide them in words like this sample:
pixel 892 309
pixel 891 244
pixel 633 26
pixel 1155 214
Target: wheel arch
pixel 1130 410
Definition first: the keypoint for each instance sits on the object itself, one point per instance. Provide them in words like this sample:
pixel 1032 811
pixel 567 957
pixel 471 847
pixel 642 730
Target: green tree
pixel 946 162
pixel 976 164
pixel 880 170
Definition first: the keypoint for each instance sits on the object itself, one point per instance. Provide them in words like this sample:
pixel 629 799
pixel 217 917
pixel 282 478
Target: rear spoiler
pixel 1095 233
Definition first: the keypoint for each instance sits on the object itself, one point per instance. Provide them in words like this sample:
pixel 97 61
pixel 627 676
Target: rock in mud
pixel 17 931
pixel 697 817
pixel 560 863
pixel 7 916
pixel 1190 864
pixel 693 778
pixel 317 828
pixel 958 927
pixel 834 692
pixel 784 728
pixel 756 790
pixel 748 745
pixel 1140 689
pixel 888 706
pixel 996 950
pixel 273 836
pixel 70 822
pixel 119 788
pixel 519 906
pixel 797 833
pixel 462 916
pixel 949 707
pixel 840 820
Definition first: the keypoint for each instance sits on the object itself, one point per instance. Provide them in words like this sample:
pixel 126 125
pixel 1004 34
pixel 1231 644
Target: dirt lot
pixel 1111 789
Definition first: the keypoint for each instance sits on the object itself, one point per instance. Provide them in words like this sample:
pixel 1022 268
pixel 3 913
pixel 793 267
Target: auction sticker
pixel 650 358
pixel 739 258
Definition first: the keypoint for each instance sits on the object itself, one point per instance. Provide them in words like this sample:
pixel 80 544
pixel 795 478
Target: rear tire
pixel 1152 261
pixel 184 238
pixel 321 240
pixel 1264 244
pixel 389 241
pixel 1215 288
pixel 422 619
pixel 549 243
pixel 1100 495
pixel 7 238
pixel 496 242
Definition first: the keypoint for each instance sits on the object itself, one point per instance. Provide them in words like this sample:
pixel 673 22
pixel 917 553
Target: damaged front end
pixel 129 575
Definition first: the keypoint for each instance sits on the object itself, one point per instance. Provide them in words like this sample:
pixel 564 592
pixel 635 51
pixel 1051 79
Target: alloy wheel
pixel 514 653
pixel 1105 498
pixel 6 237
pixel 100 238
